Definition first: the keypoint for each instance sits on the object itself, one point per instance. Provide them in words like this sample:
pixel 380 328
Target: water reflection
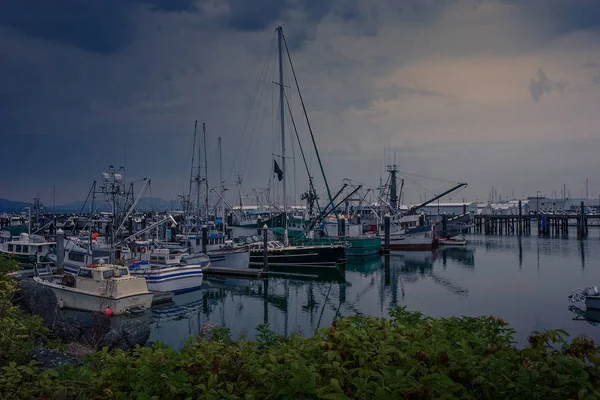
pixel 523 279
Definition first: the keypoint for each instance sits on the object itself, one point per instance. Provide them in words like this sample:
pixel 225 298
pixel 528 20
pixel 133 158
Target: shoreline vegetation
pixel 408 356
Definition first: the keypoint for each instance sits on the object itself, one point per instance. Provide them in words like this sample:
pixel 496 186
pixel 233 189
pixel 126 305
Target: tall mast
pixel 205 171
pixel 198 181
pixel 282 117
pixel 222 188
pixel 189 199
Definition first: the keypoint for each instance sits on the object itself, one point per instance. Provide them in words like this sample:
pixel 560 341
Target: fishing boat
pixel 418 238
pixel 590 296
pixel 25 248
pixel 167 270
pixel 279 255
pixel 99 288
pixel 452 242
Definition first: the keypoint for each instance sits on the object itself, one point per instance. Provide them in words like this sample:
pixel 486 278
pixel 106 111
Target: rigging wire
pixel 260 81
pixel 258 109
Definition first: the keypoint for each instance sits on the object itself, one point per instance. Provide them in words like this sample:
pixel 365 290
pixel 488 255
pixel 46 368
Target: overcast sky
pixel 495 93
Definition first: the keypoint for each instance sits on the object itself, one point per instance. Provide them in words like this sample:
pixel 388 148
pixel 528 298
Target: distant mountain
pixel 146 203
pixel 9 206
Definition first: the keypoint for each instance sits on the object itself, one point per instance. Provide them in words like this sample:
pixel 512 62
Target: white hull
pixel 230 258
pixel 451 242
pixel 70 298
pixel 172 279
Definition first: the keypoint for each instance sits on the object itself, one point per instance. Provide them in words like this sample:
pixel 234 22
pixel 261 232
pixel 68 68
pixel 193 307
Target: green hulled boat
pixel 355 246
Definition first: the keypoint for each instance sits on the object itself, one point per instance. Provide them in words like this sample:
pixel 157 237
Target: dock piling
pixel 204 239
pixel 265 232
pixel 386 233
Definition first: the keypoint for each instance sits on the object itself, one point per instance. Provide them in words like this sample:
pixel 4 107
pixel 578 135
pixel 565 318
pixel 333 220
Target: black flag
pixel 277 170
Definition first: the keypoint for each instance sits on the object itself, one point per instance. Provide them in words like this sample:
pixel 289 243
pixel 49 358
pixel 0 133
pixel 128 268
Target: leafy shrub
pixel 408 356
pixel 19 331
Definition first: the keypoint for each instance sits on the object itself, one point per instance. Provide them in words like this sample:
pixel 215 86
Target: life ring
pixel 143 250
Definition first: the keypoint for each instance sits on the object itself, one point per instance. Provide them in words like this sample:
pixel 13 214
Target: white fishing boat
pixel 590 296
pixel 25 248
pixel 168 270
pixel 99 288
pixel 452 242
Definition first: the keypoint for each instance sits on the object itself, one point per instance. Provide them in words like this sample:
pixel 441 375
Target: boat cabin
pixel 26 248
pixel 122 283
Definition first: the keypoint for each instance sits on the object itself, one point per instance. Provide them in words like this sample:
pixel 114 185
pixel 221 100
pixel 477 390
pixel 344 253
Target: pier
pixel 546 224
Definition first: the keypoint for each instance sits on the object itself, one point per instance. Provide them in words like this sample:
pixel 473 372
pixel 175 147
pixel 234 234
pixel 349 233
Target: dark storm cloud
pixel 99 26
pixel 544 85
pixel 565 16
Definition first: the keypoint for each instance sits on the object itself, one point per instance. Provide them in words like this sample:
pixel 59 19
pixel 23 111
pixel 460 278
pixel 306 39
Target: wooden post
pixel 60 250
pixel 444 225
pixel 520 228
pixel 582 222
pixel 265 232
pixel 341 227
pixel 386 233
pixel 204 239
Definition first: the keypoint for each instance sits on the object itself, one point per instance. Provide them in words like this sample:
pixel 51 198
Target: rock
pixel 51 358
pixel 94 330
pixel 206 331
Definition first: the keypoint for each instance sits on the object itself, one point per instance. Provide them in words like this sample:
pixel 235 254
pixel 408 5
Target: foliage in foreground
pixel 19 331
pixel 408 356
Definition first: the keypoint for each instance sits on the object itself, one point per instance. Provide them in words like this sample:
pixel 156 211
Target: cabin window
pixel 10 247
pixel 25 249
pixel 153 258
pixel 18 250
pixel 85 273
pixel 108 274
pixel 76 257
pixel 123 271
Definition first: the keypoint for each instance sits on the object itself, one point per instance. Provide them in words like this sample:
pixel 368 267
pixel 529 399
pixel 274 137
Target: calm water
pixel 524 280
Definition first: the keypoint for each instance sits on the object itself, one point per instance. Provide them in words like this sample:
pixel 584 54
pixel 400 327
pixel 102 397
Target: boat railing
pixel 580 294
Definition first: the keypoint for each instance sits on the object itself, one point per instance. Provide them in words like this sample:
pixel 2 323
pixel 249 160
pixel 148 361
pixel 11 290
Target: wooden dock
pixel 547 224
pixel 238 272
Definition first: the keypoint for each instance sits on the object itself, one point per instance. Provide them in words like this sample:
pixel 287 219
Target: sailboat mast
pixel 189 199
pixel 205 171
pixel 222 189
pixel 198 181
pixel 282 117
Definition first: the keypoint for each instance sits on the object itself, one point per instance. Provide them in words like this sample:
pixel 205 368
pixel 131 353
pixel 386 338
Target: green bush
pixel 408 356
pixel 19 331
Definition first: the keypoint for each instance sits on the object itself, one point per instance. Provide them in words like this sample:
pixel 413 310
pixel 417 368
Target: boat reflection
pixel 592 317
pixel 463 256
pixel 365 265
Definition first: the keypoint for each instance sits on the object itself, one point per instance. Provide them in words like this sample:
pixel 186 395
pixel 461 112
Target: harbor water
pixel 525 280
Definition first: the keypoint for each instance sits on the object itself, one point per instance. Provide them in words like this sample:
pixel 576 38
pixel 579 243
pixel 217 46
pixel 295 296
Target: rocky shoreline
pixel 81 329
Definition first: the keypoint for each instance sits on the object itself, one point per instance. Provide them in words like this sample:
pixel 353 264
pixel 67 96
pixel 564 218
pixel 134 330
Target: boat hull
pixel 306 257
pixel 235 259
pixel 174 279
pixel 592 302
pixel 69 298
pixel 452 242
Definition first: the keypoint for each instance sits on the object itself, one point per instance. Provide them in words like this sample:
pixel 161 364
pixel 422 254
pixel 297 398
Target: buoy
pixel 108 312
pixel 143 250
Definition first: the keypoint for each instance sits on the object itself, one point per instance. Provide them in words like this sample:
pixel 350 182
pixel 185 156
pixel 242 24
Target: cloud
pixel 97 26
pixel 544 85
pixel 81 80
